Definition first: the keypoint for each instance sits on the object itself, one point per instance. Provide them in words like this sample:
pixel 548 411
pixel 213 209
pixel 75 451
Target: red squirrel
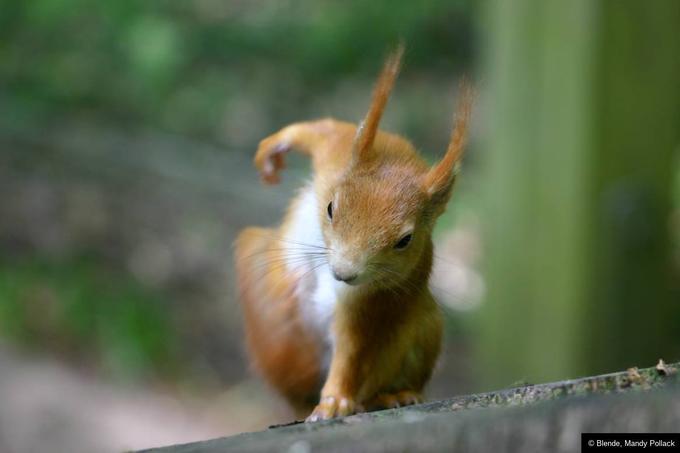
pixel 338 314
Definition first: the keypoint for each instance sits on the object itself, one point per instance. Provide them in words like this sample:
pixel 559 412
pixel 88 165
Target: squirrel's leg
pixel 388 367
pixel 361 366
pixel 352 377
pixel 339 393
pixel 313 138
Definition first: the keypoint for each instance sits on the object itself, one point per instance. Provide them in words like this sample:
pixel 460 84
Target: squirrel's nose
pixel 347 278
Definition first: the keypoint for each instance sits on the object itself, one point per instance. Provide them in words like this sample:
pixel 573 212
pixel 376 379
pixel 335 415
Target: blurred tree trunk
pixel 585 102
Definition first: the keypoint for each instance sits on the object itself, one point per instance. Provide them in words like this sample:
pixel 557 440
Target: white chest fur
pixel 318 291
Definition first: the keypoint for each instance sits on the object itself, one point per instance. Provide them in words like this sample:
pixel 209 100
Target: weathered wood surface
pixel 552 419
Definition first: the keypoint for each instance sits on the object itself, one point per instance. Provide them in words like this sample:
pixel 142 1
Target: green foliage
pixel 86 311
pixel 173 64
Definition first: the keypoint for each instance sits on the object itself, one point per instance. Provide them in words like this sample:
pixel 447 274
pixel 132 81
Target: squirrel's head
pixel 377 219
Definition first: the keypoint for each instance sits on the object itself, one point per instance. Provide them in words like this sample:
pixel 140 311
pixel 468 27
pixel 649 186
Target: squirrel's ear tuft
pixel 439 180
pixel 368 128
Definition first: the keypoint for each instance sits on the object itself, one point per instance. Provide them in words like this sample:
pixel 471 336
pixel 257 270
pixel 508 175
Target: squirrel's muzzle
pixel 344 277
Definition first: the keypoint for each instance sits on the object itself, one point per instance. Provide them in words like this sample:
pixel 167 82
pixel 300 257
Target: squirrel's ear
pixel 439 180
pixel 367 130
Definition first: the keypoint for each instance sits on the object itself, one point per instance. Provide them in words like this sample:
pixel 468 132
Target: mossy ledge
pixel 357 427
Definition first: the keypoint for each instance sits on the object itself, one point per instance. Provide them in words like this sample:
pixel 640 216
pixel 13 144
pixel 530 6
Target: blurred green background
pixel 127 130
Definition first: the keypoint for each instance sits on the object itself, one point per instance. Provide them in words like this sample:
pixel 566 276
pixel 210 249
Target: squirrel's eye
pixel 330 210
pixel 403 242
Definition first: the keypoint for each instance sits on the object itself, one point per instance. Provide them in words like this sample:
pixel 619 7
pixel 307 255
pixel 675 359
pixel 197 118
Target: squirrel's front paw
pixel 269 159
pixel 334 406
pixel 392 400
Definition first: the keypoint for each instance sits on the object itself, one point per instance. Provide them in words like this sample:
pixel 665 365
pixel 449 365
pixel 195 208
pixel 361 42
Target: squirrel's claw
pixel 332 407
pixel 393 400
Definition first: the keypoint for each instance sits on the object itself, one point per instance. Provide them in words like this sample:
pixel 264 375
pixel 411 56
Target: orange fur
pixel 386 326
pixel 276 338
